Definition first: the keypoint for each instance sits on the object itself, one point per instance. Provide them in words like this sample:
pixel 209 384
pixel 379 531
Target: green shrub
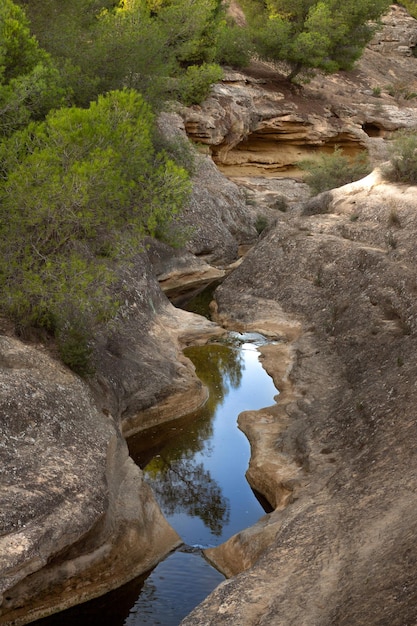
pixel 79 193
pixel 30 84
pixel 261 223
pixel 145 45
pixel 411 6
pixel 194 85
pixel 180 149
pixel 403 158
pixel 234 46
pixel 334 170
pixel 75 350
pixel 400 91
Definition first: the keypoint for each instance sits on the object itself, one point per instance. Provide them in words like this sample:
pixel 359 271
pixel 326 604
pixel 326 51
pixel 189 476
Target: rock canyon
pixel 331 281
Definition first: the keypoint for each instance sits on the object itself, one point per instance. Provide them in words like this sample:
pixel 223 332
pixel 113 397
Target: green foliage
pixel 334 170
pixel 190 29
pixel 261 223
pixel 165 51
pixel 179 149
pixel 403 158
pixel 400 91
pixel 411 6
pixel 78 193
pixel 75 350
pixel 324 34
pixel 194 85
pixel 140 44
pixel 234 45
pixel 30 85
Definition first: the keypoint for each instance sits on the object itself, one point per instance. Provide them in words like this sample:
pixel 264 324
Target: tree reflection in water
pixel 170 455
pixel 196 466
pixel 182 485
pixel 219 367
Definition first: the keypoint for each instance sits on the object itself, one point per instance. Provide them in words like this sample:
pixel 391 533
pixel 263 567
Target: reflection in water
pixel 185 486
pixel 180 482
pixel 173 589
pixel 196 467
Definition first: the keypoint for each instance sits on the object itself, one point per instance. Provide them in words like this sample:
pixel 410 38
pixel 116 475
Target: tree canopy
pixel 30 84
pixel 143 44
pixel 324 34
pixel 78 193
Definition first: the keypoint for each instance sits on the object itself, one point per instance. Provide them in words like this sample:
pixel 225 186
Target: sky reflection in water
pixel 196 467
pixel 199 476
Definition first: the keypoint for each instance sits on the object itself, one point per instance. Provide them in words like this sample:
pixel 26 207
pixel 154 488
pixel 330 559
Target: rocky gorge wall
pixel 332 282
pixel 336 454
pixel 258 125
pixel 77 519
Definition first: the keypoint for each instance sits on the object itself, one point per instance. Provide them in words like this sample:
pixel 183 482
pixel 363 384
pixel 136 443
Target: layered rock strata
pixel 256 124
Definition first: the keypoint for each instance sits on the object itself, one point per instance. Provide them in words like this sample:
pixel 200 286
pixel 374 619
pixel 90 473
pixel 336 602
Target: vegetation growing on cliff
pixel 78 193
pixel 402 167
pixel 324 34
pixel 411 6
pixel 334 170
pixel 82 175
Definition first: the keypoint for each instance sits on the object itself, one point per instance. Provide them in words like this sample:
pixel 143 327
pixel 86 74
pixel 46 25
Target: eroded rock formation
pixel 336 454
pixel 258 126
pixel 76 517
pixel 333 284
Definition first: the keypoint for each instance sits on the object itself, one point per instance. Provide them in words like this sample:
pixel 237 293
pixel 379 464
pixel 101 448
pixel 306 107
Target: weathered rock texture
pixel 334 284
pixel 76 517
pixel 217 218
pixel 257 125
pixel 142 376
pixel 337 453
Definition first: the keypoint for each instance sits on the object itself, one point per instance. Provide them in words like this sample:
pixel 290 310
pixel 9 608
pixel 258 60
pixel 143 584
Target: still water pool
pixel 196 467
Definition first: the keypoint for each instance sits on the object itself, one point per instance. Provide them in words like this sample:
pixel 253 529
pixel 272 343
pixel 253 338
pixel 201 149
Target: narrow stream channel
pixel 196 467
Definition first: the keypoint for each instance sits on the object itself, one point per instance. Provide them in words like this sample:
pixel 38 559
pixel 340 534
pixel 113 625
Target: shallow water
pixel 196 467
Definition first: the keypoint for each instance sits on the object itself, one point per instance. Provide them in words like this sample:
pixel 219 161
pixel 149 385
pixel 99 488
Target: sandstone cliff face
pixel 258 126
pixel 337 452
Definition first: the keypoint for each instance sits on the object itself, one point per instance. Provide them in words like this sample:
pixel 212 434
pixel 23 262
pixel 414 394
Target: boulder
pixel 76 517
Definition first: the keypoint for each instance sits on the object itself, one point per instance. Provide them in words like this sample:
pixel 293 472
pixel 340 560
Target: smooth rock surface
pixel 76 518
pixel 337 453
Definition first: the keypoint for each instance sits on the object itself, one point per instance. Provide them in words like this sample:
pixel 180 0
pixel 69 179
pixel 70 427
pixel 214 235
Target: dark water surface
pixel 196 467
